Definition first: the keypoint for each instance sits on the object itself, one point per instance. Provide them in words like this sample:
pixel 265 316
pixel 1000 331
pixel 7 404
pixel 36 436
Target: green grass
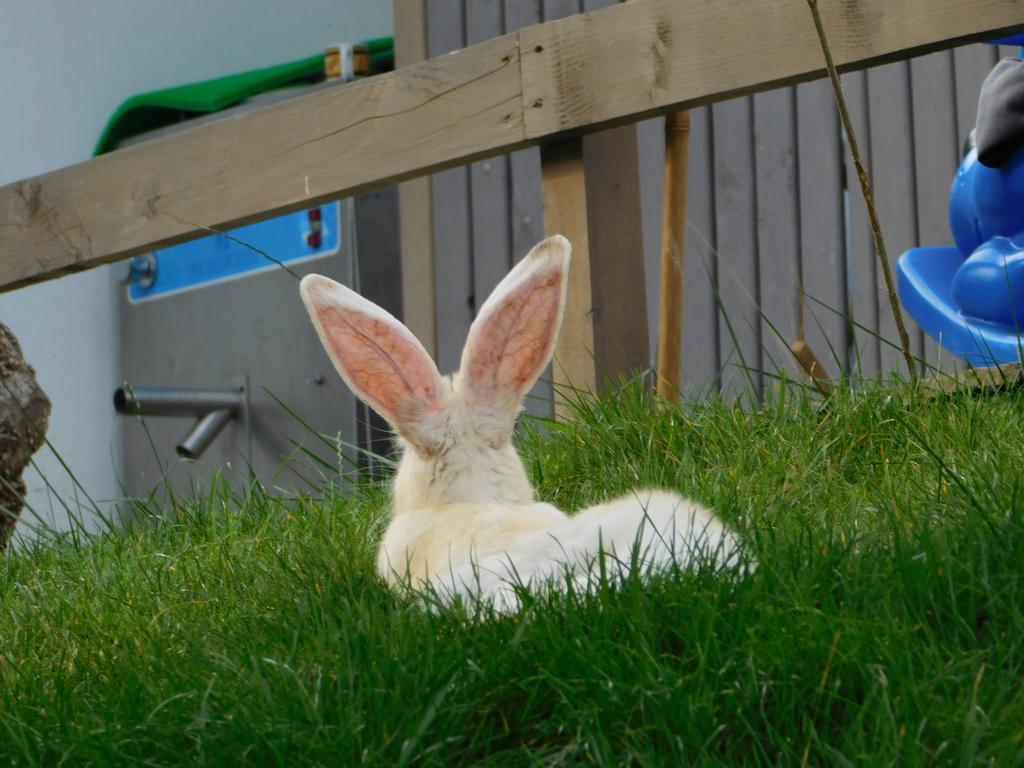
pixel 884 625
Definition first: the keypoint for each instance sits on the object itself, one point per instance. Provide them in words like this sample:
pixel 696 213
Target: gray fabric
pixel 1000 127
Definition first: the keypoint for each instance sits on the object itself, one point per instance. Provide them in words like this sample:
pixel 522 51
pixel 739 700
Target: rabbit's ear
pixel 379 358
pixel 513 337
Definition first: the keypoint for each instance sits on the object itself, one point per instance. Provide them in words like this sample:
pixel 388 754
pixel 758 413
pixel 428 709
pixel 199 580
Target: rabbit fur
pixel 464 519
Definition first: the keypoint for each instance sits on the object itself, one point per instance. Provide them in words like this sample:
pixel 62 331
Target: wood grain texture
pixel 673 254
pixel 565 213
pixel 617 270
pixel 488 179
pixel 778 226
pixel 617 278
pixel 574 75
pixel 280 158
pixel 971 64
pixel 416 208
pixel 936 157
pixel 700 372
pixel 863 264
pixel 453 216
pixel 560 9
pixel 526 213
pixel 892 180
pixel 739 325
pixel 527 223
pixel 822 225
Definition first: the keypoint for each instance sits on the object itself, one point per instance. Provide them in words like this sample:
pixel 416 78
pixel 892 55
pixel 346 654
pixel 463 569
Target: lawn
pixel 885 623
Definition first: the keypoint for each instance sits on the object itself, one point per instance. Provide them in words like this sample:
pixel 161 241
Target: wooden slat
pixel 565 207
pixel 778 226
pixel 453 233
pixel 565 212
pixel 526 214
pixel 618 285
pixel 700 372
pixel 617 274
pixel 559 9
pixel 415 203
pixel 579 74
pixel 673 254
pixel 527 225
pixel 284 157
pixel 971 64
pixel 892 180
pixel 822 225
pixel 863 291
pixel 488 179
pixel 575 71
pixel 936 156
pixel 650 152
pixel 739 327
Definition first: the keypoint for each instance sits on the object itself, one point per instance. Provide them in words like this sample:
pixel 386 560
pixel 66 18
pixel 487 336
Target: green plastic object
pixel 148 111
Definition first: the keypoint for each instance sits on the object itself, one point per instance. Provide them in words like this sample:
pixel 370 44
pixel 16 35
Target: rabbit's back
pixel 425 543
pixel 482 549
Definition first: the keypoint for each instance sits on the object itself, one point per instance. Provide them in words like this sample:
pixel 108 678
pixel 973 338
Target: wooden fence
pixel 766 181
pixel 772 232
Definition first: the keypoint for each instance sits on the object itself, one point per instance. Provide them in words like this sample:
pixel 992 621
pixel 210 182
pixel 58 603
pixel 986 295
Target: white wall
pixel 65 65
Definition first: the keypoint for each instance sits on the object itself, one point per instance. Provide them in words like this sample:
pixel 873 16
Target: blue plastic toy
pixel 970 296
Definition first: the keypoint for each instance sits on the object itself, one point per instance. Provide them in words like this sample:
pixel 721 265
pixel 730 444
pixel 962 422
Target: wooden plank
pixel 415 213
pixel 527 225
pixel 971 64
pixel 565 212
pixel 673 254
pixel 936 157
pixel 526 214
pixel 892 180
pixel 1008 51
pixel 483 101
pixel 580 296
pixel 618 285
pixel 739 328
pixel 617 271
pixel 488 179
pixel 822 225
pixel 559 9
pixel 453 224
pixel 650 151
pixel 596 5
pixel 777 226
pixel 700 372
pixel 863 303
pixel 575 73
pixel 284 157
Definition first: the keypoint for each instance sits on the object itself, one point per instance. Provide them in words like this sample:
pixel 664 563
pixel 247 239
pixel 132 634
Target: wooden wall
pixel 769 213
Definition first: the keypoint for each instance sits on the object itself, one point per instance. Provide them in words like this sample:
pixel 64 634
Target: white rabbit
pixel 464 519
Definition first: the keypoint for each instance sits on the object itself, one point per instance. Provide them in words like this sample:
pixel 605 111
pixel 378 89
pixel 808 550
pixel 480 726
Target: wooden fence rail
pixel 574 75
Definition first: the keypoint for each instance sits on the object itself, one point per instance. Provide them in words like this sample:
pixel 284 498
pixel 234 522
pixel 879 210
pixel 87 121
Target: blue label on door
pixel 242 251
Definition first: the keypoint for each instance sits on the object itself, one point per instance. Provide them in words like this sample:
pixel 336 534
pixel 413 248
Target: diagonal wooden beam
pixel 575 75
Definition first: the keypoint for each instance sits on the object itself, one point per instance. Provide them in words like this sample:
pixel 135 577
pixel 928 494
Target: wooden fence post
pixel 416 205
pixel 565 212
pixel 592 196
pixel 622 346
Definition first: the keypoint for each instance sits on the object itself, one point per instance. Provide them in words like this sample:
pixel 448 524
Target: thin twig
pixel 865 187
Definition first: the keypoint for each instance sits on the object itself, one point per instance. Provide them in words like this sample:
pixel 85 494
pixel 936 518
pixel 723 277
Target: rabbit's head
pixel 456 431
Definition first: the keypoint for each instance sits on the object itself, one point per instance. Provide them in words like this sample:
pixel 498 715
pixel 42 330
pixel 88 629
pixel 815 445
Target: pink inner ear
pixel 514 341
pixel 386 368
